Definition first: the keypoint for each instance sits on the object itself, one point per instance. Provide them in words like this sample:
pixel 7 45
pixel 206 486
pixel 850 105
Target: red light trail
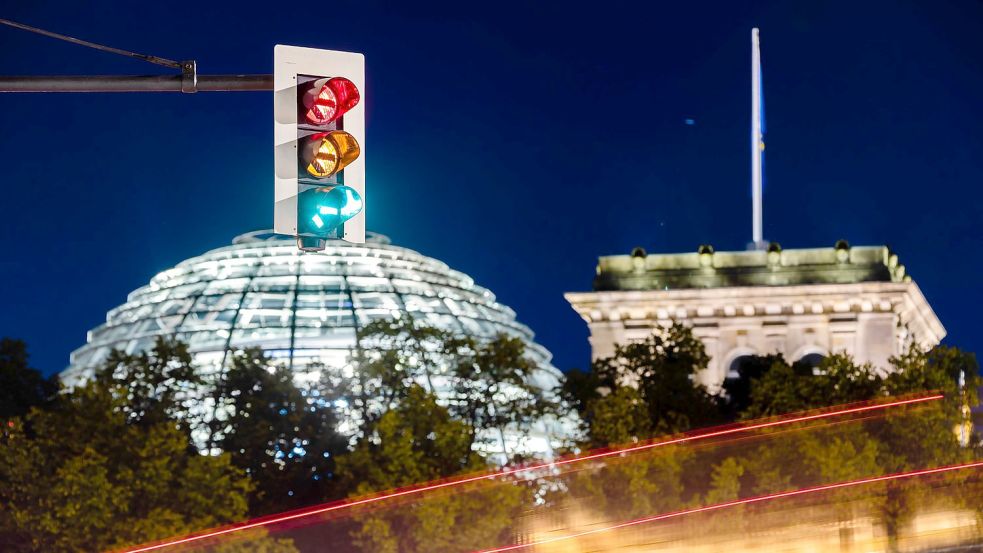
pixel 698 435
pixel 757 499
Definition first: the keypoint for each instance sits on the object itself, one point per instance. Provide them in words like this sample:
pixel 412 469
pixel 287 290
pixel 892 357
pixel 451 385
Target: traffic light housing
pixel 319 154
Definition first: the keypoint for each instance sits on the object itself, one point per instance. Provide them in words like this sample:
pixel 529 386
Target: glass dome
pixel 299 307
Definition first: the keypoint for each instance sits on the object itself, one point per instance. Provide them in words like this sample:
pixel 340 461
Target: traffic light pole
pixel 155 83
pixel 188 81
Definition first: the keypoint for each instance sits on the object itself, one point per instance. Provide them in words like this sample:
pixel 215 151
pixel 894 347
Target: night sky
pixel 514 141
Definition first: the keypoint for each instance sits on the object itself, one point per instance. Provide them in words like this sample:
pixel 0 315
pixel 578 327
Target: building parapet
pixel 705 268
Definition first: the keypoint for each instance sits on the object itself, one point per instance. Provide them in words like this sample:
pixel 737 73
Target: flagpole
pixel 756 140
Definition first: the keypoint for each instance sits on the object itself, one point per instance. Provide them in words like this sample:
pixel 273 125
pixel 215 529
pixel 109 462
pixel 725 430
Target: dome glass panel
pixel 303 308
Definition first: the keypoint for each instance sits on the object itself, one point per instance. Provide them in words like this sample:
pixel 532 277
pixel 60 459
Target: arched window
pixel 733 371
pixel 811 360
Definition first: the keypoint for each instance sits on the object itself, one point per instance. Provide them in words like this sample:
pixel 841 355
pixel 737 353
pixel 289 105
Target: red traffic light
pixel 329 99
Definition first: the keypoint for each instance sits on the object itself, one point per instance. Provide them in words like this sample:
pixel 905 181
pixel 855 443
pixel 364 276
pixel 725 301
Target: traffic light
pixel 319 154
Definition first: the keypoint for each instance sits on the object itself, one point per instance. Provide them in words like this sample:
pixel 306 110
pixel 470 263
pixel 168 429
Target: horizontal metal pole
pixel 151 83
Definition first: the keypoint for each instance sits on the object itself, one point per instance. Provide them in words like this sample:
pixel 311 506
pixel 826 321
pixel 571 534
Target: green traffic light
pixel 321 210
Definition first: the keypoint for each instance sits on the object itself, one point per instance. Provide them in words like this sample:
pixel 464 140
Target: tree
pixel 663 369
pixel 579 388
pixel 905 440
pixel 944 369
pixel 406 435
pixel 159 385
pixel 254 540
pixel 616 400
pixel 395 355
pixel 785 388
pixel 725 485
pixel 646 388
pixel 286 440
pixel 419 441
pixel 21 387
pixel 725 481
pixel 619 418
pixel 928 436
pixel 490 385
pixel 494 389
pixel 87 478
pixel 737 391
pixel 111 463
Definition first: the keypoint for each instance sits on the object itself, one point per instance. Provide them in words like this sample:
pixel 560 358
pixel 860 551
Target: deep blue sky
pixel 515 141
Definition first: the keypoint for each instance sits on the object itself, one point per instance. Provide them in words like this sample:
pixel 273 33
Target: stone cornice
pixel 776 302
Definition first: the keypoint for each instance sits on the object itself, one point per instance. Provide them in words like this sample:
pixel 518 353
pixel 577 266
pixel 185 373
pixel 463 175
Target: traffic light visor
pixel 328 153
pixel 321 210
pixel 329 99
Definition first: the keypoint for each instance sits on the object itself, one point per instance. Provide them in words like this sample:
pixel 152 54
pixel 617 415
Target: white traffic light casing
pixel 319 145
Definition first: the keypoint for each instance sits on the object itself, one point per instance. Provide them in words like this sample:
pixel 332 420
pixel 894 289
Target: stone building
pixel 801 303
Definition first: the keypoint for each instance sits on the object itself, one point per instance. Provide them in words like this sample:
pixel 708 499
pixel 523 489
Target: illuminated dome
pixel 299 307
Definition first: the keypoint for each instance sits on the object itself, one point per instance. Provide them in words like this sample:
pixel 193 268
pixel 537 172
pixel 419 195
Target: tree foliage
pixel 408 436
pixel 21 387
pixel 420 441
pixel 156 385
pixel 619 418
pixel 417 441
pixel 285 438
pixel 86 478
pixel 394 355
pixel 495 388
pixel 662 370
pixel 648 388
pixel 905 440
pixel 784 388
pixel 113 462
pixel 136 428
pixel 490 385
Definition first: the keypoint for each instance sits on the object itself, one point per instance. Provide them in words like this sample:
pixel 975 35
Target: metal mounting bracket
pixel 189 76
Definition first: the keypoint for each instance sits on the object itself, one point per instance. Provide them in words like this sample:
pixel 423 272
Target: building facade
pixel 801 303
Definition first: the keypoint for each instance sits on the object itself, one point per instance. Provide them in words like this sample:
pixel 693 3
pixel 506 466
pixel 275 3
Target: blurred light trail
pixel 713 432
pixel 756 499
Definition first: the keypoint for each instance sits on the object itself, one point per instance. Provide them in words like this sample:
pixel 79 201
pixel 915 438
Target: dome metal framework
pixel 299 307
